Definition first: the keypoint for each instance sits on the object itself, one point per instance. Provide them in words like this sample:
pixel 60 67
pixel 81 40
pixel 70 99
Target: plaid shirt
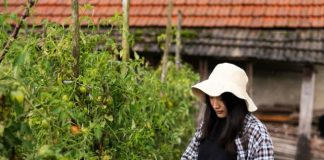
pixel 255 135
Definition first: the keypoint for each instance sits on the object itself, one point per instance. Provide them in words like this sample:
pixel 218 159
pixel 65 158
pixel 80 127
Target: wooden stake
pixel 178 41
pixel 249 70
pixel 203 72
pixel 125 43
pixel 167 42
pixel 203 69
pixel 76 37
pixel 15 32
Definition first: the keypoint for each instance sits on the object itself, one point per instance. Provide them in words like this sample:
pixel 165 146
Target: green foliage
pixel 114 110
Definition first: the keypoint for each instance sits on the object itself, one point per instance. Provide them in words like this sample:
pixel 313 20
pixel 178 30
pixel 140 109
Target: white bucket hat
pixel 225 77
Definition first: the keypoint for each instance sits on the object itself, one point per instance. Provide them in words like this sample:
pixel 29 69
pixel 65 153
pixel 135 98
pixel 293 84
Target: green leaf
pixel 136 55
pixel 124 71
pixel 19 60
pixel 1 129
pixel 98 132
pixel 110 118
pixel 133 125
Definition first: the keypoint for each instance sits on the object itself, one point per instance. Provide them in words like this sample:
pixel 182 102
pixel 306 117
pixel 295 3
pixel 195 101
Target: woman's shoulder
pixel 254 126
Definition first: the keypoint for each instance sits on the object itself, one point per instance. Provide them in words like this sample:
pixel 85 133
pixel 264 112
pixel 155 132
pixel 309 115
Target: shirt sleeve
pixel 191 153
pixel 261 144
pixel 264 151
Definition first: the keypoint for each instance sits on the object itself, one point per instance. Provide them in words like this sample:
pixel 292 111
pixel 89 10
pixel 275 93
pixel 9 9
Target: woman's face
pixel 219 106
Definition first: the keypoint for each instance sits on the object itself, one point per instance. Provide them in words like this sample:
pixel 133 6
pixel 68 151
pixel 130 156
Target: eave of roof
pixel 299 46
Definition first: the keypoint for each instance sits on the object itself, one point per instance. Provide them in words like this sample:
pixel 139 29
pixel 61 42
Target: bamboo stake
pixel 76 38
pixel 167 42
pixel 15 32
pixel 178 41
pixel 125 43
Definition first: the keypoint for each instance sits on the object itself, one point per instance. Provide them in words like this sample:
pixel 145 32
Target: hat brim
pixel 217 88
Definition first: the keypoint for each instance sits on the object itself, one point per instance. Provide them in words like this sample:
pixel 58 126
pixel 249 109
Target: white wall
pixel 276 86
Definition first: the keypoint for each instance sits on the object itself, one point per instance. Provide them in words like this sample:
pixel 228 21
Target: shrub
pixel 114 110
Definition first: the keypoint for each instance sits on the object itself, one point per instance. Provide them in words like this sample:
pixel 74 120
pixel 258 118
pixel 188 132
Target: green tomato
pixel 17 96
pixel 45 123
pixel 106 157
pixel 45 150
pixel 83 89
pixel 59 80
pixel 65 97
pixel 70 104
pixel 110 101
pixel 85 110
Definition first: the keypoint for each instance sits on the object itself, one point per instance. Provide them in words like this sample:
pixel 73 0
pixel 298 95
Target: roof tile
pixel 260 11
pixel 223 11
pixel 271 11
pixel 317 11
pixel 235 21
pixel 282 21
pixel 179 2
pixel 304 22
pixel 293 22
pixel 192 2
pixel 203 2
pixel 156 11
pixel 236 11
pixel 190 11
pixel 215 2
pixel 257 21
pixel 269 22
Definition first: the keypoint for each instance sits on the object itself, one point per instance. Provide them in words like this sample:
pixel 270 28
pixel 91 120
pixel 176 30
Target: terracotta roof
pixel 197 13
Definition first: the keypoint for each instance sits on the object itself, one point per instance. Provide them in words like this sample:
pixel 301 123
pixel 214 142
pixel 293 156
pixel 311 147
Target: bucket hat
pixel 225 77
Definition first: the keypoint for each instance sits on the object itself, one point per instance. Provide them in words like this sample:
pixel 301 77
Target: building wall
pixel 276 87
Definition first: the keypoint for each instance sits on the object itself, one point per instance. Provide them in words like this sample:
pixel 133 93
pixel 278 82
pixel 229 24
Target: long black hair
pixel 236 112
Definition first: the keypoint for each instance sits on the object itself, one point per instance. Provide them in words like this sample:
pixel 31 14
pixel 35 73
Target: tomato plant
pixel 113 110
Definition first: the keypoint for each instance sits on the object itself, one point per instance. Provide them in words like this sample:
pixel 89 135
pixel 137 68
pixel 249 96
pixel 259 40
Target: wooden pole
pixel 249 70
pixel 167 42
pixel 203 72
pixel 306 113
pixel 203 69
pixel 125 43
pixel 76 38
pixel 15 32
pixel 178 41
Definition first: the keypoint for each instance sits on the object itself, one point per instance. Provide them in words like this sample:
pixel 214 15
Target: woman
pixel 229 130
